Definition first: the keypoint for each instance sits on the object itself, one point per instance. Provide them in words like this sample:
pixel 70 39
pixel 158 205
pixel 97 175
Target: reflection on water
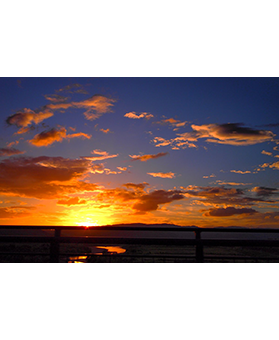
pixel 106 250
pixel 110 249
pixel 77 259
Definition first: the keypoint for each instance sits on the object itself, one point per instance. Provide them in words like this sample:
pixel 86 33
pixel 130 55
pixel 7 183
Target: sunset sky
pixel 97 151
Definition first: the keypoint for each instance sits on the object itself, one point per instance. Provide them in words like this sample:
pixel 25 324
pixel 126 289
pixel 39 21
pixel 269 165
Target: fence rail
pixel 198 242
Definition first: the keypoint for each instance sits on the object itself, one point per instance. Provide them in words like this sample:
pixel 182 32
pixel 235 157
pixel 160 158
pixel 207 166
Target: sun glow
pixel 88 224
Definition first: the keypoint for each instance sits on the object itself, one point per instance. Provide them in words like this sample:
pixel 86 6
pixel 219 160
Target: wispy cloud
pixel 241 172
pixel 229 211
pixel 219 182
pixel 133 115
pixel 266 153
pixel 55 98
pixel 210 176
pixel 162 174
pixel 10 152
pixel 99 155
pixel 174 123
pixel 144 158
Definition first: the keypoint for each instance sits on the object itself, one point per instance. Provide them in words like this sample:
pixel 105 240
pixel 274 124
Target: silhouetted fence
pixel 162 238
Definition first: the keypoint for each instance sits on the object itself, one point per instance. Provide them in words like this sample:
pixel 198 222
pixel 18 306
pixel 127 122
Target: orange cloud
pixel 15 212
pixel 26 117
pixel 152 200
pixel 10 152
pixel 98 103
pixel 44 177
pixel 122 168
pixel 142 202
pixel 173 122
pixel 230 133
pixel 71 201
pixel 144 158
pixel 105 131
pixel 101 155
pixel 241 172
pixel 274 165
pixel 266 153
pixel 210 176
pixel 162 174
pixel 219 182
pixel 133 115
pixel 46 138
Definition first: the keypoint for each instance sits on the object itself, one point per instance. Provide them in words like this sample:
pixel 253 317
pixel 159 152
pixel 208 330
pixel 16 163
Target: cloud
pixel 26 117
pixel 151 201
pixel 122 168
pixel 12 143
pixel 134 186
pixel 14 212
pixel 46 138
pixel 270 165
pixel 79 134
pixel 210 176
pixel 274 165
pixel 55 98
pixel 222 196
pixel 229 134
pixel 98 103
pixel 219 182
pixel 175 143
pixel 141 202
pixel 229 211
pixel 95 106
pixel 44 177
pixel 241 172
pixel 173 122
pixel 264 191
pixel 105 131
pixel 133 115
pixel 73 88
pixel 10 152
pixel 162 174
pixel 100 155
pixel 71 201
pixel 266 153
pixel 144 158
pixel 23 130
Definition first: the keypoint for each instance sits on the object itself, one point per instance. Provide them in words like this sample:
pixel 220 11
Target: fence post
pixel 199 247
pixel 54 247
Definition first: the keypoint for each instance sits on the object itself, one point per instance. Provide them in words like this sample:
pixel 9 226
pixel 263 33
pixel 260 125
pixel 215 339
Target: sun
pixel 87 224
